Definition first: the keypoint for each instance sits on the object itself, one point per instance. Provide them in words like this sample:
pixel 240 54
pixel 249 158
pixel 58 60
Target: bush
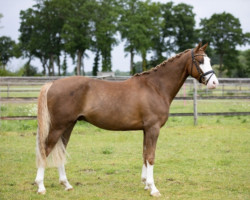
pixel 4 72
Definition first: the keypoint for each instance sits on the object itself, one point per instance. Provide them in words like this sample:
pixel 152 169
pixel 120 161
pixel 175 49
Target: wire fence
pixel 232 97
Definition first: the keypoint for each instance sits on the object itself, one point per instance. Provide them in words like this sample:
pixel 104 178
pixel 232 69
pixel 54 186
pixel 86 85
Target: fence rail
pixel 41 80
pixel 170 114
pixel 15 90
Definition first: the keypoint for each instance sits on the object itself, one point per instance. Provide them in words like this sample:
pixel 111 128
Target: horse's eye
pixel 201 61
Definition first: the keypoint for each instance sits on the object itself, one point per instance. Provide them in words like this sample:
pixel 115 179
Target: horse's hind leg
pixel 40 170
pixel 51 142
pixel 56 144
pixel 61 169
pixel 55 149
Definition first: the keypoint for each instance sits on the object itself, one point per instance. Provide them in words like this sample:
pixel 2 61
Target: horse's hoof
pixel 146 187
pixel 42 192
pixel 156 194
pixel 69 188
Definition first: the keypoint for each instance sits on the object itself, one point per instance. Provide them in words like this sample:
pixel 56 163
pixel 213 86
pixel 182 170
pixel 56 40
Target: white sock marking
pixel 144 173
pixel 150 179
pixel 63 178
pixel 39 180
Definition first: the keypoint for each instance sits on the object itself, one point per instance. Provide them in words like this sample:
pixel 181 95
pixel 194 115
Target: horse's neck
pixel 169 78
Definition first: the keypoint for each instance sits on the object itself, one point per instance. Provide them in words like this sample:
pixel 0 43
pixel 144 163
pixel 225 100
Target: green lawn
pixel 18 109
pixel 209 161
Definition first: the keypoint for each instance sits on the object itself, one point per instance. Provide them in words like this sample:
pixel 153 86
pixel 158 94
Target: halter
pixel 202 75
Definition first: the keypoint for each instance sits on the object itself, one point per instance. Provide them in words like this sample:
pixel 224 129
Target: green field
pixel 209 161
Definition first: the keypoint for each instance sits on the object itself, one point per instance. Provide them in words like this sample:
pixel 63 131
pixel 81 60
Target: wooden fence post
pixel 195 102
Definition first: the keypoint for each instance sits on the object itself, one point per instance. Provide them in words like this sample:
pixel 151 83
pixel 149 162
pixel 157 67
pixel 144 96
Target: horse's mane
pixel 163 63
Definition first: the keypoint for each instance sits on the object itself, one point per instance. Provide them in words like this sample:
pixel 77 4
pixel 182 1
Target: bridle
pixel 202 75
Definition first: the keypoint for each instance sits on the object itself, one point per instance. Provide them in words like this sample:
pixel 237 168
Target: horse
pixel 139 103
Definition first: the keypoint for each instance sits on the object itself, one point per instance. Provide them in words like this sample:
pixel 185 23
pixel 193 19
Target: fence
pixel 230 91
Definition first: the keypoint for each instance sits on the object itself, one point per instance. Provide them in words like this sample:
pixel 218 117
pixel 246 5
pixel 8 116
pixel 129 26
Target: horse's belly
pixel 114 122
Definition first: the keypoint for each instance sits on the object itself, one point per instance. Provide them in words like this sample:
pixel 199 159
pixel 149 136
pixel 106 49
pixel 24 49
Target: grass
pixel 235 105
pixel 18 109
pixel 210 161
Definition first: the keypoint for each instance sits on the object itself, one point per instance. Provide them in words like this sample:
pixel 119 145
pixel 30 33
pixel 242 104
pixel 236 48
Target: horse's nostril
pixel 214 82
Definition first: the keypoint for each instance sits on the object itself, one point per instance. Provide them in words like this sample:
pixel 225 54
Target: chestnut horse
pixel 139 103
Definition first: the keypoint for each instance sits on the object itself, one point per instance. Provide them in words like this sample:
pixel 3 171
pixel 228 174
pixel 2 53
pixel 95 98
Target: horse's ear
pixel 198 47
pixel 203 48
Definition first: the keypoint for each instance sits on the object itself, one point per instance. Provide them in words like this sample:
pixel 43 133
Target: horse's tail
pixel 43 118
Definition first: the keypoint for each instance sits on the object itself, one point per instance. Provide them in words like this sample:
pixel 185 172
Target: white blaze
pixel 205 67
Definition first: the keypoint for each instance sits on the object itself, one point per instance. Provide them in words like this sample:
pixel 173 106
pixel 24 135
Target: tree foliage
pixel 77 31
pixel 7 50
pixel 138 25
pixel 176 30
pixel 105 28
pixel 223 32
pixel 40 33
pixel 52 29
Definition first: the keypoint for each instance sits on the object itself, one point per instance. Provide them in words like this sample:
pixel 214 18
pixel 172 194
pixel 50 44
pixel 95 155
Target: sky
pixel 10 23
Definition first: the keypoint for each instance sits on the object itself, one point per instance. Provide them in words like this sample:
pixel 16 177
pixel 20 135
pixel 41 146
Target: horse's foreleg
pixel 39 180
pixel 63 178
pixel 151 136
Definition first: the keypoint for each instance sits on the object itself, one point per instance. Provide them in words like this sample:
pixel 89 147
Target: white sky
pixel 10 25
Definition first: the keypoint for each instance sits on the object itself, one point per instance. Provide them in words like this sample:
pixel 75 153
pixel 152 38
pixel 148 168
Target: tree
pixel 176 33
pixel 185 27
pixel 7 50
pixel 29 70
pixel 77 30
pixel 64 65
pixel 243 70
pixel 105 27
pixel 134 30
pixel 51 23
pixel 168 30
pixel 138 25
pixel 179 27
pixel 128 26
pixel 30 42
pixel 40 32
pixel 96 63
pixel 223 32
pixel 247 56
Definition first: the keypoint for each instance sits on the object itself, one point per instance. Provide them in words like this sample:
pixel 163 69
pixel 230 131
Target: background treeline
pixel 52 30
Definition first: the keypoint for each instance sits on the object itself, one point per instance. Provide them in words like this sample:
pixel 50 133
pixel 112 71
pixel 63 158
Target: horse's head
pixel 200 67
